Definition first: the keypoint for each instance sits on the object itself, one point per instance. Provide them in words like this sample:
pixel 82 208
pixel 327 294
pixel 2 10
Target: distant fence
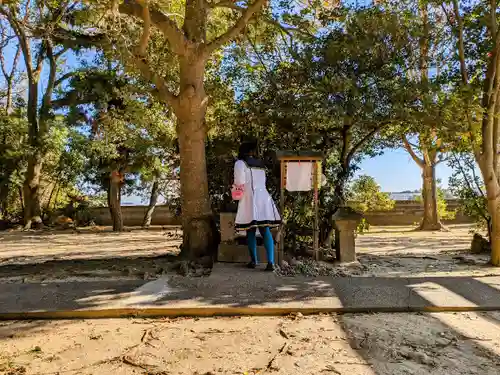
pixel 134 215
pixel 403 213
pixel 410 212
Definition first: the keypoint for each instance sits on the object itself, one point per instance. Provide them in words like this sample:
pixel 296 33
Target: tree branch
pixel 442 159
pixel 39 59
pixel 493 18
pixel 226 4
pixel 461 48
pixel 47 96
pixel 64 77
pixel 261 60
pixel 412 153
pixel 164 93
pixel 61 52
pixel 4 43
pixel 146 30
pixel 167 26
pixel 16 60
pixel 365 139
pixel 237 28
pixel 73 39
pixel 428 159
pixel 2 64
pixel 231 5
pixel 23 42
pixel 71 98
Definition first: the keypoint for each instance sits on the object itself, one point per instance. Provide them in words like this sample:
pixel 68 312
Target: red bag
pixel 237 192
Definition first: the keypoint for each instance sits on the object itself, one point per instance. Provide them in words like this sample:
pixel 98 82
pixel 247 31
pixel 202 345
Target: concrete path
pixel 233 290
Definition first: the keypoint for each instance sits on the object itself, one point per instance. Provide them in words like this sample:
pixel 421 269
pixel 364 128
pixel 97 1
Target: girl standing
pixel 256 209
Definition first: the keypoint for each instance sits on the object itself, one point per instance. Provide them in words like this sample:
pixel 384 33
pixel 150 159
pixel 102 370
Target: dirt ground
pixel 378 344
pixel 98 253
pixel 354 344
pixel 404 252
pixel 87 253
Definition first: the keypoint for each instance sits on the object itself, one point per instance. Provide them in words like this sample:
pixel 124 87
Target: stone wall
pixel 404 213
pixel 133 216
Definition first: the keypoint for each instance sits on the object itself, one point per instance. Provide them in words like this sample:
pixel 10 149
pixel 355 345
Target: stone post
pixel 227 232
pixel 346 221
pixel 229 249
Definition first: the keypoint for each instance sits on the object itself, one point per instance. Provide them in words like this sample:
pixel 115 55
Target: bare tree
pixel 8 73
pixel 431 152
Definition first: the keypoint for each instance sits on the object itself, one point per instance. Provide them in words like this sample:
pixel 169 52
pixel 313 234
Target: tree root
pixel 422 227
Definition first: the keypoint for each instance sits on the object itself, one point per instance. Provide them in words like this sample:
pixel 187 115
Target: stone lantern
pixel 346 221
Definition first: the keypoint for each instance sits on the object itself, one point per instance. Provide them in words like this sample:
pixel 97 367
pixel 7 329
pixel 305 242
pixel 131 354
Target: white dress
pixel 256 208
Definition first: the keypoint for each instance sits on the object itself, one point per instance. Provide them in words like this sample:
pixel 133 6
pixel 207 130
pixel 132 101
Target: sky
pixel 395 171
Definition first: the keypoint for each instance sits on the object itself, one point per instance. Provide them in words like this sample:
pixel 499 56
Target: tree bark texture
pixel 487 155
pixel 114 200
pixel 494 209
pixel 153 200
pixel 8 100
pixel 430 220
pixel 31 190
pixel 31 187
pixel 4 204
pixel 195 200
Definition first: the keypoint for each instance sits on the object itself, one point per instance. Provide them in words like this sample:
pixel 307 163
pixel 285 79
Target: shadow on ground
pixel 387 344
pixel 402 244
pixel 240 288
pixel 136 267
pixel 439 344
pixel 39 255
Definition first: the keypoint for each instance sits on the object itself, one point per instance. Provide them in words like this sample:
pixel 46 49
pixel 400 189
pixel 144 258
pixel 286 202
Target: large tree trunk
pixel 431 220
pixel 494 209
pixel 114 201
pixel 4 204
pixel 31 190
pixel 4 191
pixel 196 210
pixel 492 186
pixel 155 193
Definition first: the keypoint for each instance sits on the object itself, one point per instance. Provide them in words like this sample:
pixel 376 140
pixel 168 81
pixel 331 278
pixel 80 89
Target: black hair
pixel 246 149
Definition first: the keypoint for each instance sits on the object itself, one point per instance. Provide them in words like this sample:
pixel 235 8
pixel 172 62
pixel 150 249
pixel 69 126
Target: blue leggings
pixel 268 244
